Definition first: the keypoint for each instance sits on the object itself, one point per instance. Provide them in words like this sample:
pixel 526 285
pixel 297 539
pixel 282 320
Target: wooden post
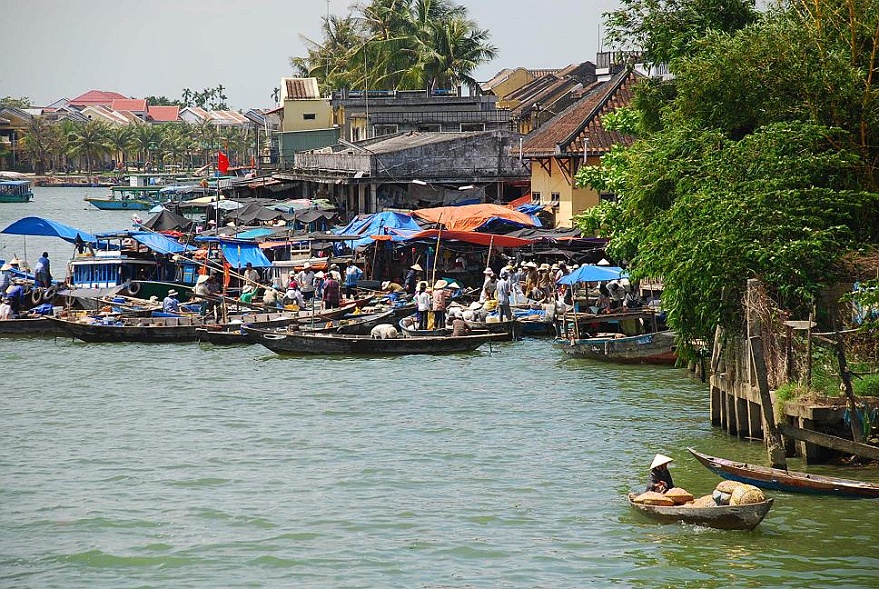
pixel 809 349
pixel 771 434
pixel 845 374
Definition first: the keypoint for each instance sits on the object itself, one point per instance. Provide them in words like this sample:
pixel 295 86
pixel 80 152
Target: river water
pixel 178 465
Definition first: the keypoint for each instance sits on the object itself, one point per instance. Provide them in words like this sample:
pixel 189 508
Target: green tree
pixel 147 139
pixel 736 178
pixel 40 143
pixel 668 29
pixel 397 44
pixel 11 102
pixel 88 142
pixel 120 138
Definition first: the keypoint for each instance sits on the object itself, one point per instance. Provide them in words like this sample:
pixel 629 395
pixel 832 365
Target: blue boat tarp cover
pixel 593 274
pixel 47 228
pixel 159 243
pixel 14 182
pixel 376 224
pixel 239 253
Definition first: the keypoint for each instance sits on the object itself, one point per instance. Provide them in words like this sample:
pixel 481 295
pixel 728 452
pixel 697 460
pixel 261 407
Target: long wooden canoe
pixel 155 329
pixel 323 343
pixel 786 480
pixel 722 517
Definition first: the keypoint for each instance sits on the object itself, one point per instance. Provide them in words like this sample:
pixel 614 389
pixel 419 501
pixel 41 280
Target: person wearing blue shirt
pixel 41 271
pixel 352 275
pixel 503 293
pixel 171 304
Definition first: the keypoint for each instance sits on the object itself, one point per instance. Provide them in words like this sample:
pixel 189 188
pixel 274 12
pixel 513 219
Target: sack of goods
pixel 653 498
pixel 703 501
pixel 679 496
pixel 746 495
pixel 735 493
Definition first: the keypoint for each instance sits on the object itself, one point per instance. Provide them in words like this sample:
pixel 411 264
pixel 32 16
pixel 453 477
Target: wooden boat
pixel 722 517
pixel 222 335
pixel 322 343
pixel 155 329
pixel 648 348
pixel 408 329
pixel 27 327
pixel 15 191
pixel 352 324
pixel 786 480
pixel 127 198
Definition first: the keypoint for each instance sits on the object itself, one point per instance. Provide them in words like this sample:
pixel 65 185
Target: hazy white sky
pixel 62 48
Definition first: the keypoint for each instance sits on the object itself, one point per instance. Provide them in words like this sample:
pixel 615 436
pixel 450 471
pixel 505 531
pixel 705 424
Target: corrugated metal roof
pixel 564 134
pixel 300 89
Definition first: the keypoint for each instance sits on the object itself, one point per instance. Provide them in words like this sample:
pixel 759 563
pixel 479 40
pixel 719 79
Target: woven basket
pixel 679 496
pixel 746 495
pixel 653 498
pixel 727 486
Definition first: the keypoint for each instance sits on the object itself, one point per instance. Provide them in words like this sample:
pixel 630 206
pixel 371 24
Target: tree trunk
pixel 857 432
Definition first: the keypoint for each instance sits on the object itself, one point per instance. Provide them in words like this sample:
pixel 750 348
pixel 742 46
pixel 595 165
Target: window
pixel 535 198
pixel 430 128
pixel 555 197
pixel 309 116
pixel 384 130
pixel 472 126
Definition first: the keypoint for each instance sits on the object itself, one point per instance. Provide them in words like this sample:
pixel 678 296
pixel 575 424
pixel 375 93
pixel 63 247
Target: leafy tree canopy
pixel 11 102
pixel 758 160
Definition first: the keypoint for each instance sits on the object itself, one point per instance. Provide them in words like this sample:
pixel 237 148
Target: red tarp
pixel 469 217
pixel 466 236
pixel 525 200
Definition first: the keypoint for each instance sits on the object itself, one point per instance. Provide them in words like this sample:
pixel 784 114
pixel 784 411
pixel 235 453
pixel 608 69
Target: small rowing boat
pixel 786 480
pixel 722 517
pixel 648 348
pixel 325 343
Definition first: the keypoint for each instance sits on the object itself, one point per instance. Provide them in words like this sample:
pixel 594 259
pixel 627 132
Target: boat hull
pixel 721 517
pixel 108 204
pixel 160 330
pixel 8 198
pixel 39 327
pixel 786 480
pixel 649 348
pixel 303 343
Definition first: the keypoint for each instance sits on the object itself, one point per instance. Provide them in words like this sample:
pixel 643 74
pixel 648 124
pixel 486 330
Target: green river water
pixel 186 465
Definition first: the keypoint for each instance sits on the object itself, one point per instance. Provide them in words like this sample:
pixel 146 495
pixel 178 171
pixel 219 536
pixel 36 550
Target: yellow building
pixel 304 108
pixel 557 149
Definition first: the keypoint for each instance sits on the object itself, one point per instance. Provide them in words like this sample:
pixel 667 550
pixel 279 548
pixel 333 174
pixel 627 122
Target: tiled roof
pixel 229 117
pixel 130 104
pixel 197 111
pixel 163 114
pixel 564 134
pixel 300 89
pixel 107 114
pixel 96 97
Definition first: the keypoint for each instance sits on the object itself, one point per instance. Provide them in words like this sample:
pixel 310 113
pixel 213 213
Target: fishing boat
pixel 222 335
pixel 322 343
pixel 353 324
pixel 128 198
pixel 647 348
pixel 27 327
pixel 15 191
pixel 786 480
pixel 178 328
pixel 722 517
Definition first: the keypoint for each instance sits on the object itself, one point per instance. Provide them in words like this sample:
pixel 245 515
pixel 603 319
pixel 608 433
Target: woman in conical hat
pixel 660 478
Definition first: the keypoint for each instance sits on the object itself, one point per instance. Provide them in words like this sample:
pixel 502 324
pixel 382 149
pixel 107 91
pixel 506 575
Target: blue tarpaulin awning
pixel 376 224
pixel 47 228
pixel 593 274
pixel 159 243
pixel 239 253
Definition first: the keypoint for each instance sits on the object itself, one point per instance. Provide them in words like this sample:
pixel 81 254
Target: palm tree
pixel 89 141
pixel 121 141
pixel 146 139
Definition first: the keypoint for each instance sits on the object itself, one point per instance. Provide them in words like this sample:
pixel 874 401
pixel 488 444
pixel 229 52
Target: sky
pixel 61 49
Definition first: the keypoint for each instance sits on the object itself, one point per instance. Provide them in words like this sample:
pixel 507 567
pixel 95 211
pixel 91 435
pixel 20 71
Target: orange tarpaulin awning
pixel 525 200
pixel 469 217
pixel 466 236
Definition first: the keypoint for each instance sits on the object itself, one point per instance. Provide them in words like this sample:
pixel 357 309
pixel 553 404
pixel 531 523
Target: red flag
pixel 222 162
pixel 252 162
